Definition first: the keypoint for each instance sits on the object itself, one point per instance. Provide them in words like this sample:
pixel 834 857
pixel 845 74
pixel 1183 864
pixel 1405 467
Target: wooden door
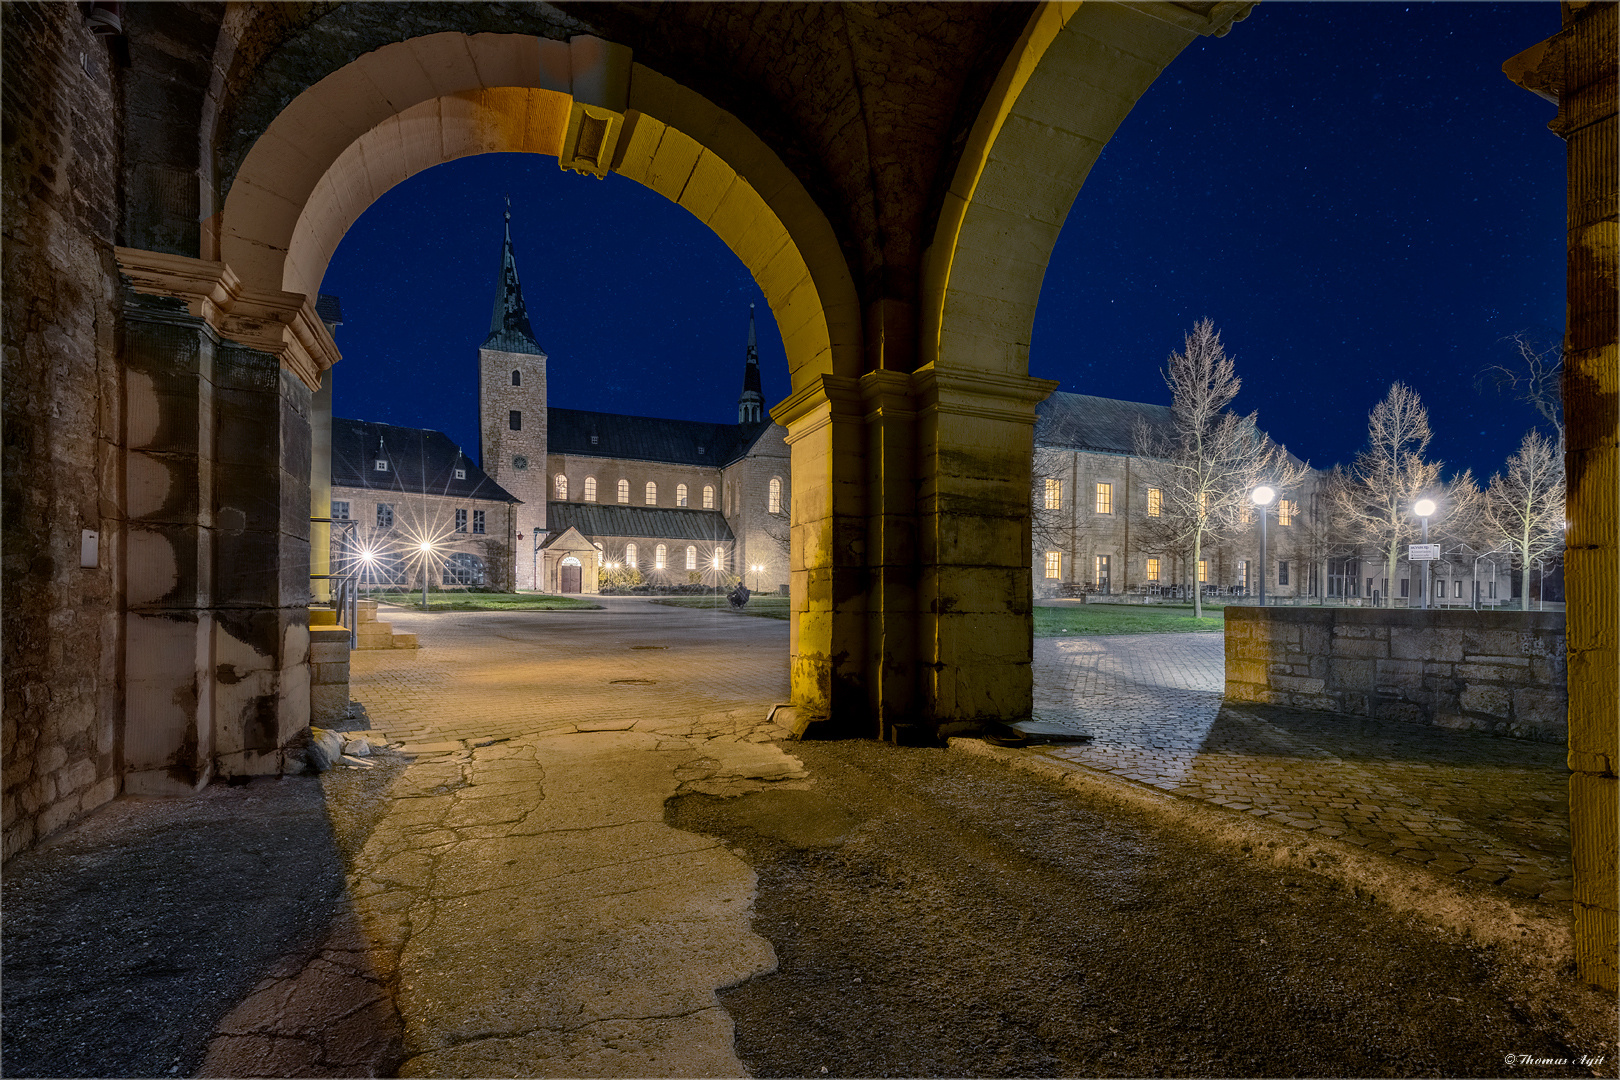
pixel 570 579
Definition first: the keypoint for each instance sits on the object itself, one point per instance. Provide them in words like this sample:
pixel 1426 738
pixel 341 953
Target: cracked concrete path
pixel 521 901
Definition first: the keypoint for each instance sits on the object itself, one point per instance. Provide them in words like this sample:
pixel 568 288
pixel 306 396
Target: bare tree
pixel 1050 513
pixel 1209 459
pixel 1372 500
pixel 1524 505
pixel 1534 378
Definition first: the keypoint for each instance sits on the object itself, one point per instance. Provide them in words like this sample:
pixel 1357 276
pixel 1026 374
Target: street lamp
pixel 1423 508
pixel 427 561
pixel 758 569
pixel 1261 497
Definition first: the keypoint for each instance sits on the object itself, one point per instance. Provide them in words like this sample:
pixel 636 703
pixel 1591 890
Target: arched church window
pixel 680 494
pixel 708 496
pixel 517 377
pixel 652 493
pixel 776 495
pixel 590 489
pixel 562 487
pixel 659 554
pixel 624 491
pixel 691 557
pixel 630 556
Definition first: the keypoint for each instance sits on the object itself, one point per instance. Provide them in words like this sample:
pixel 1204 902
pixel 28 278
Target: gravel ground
pixel 939 915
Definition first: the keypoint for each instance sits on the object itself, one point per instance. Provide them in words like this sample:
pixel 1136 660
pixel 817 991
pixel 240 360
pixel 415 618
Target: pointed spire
pixel 509 327
pixel 751 403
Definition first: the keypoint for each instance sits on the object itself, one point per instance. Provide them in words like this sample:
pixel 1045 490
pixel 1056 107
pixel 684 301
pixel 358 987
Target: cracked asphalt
pixel 570 875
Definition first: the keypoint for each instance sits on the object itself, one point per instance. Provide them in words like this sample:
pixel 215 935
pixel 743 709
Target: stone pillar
pixel 891 545
pixel 1576 68
pixel 262 560
pixel 169 404
pixel 320 490
pixel 828 581
pixel 975 451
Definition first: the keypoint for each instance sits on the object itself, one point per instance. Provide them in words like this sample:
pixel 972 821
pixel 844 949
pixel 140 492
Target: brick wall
pixel 1497 671
pixel 62 634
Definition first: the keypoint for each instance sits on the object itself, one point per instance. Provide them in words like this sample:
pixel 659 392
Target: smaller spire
pixel 751 403
pixel 509 327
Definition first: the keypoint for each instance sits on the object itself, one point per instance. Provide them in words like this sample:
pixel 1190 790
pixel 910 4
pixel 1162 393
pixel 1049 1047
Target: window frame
pixel 461 519
pixel 1054 493
pixel 340 514
pixel 630 555
pixel 680 494
pixel 517 377
pixel 589 489
pixel 660 557
pixel 514 420
pixel 1152 570
pixel 1203 571
pixel 559 485
pixel 478 523
pixel 708 496
pixel 624 492
pixel 1104 498
pixel 1155 502
pixel 1054 565
pixel 773 498
pixel 691 556
pixel 385 515
pixel 652 493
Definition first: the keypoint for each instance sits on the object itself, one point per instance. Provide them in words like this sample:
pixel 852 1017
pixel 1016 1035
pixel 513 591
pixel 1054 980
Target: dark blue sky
pixel 1352 191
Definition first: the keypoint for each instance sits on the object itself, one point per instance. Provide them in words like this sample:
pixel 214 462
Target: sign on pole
pixel 1423 553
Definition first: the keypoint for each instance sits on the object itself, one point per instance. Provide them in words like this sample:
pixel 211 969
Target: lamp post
pixel 758 569
pixel 1423 508
pixel 427 561
pixel 1261 497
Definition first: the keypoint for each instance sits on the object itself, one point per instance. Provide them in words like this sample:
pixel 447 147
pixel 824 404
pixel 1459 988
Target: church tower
pixel 751 405
pixel 512 410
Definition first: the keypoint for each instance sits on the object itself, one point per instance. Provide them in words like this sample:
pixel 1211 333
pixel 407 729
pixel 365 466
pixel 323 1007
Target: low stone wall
pixel 328 673
pixel 1498 671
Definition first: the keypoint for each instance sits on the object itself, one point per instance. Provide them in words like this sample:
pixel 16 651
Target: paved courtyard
pixel 1489 809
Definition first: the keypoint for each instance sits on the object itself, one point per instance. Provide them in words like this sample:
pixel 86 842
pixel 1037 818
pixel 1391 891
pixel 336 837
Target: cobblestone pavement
pixel 1488 809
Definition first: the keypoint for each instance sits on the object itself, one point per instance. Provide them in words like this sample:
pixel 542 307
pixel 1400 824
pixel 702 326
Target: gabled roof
pixel 612 519
pixel 420 462
pixel 647 438
pixel 1083 422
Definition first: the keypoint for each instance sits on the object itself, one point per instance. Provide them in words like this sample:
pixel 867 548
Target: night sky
pixel 1353 192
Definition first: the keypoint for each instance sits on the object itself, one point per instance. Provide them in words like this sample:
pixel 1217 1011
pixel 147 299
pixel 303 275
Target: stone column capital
pixel 816 404
pixel 984 394
pixel 282 324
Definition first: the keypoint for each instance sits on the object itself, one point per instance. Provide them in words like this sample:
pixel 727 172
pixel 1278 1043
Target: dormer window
pixel 461 474
pixel 700 449
pixel 593 440
pixel 382 465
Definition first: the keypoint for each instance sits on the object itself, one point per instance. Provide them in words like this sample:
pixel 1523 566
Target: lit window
pixel 624 491
pixel 1203 502
pixel 1203 571
pixel 691 557
pixel 1153 569
pixel 517 377
pixel 590 489
pixel 461 521
pixel 775 505
pixel 1054 493
pixel 1457 592
pixel 658 557
pixel 385 515
pixel 1054 564
pixel 340 511
pixel 1101 574
pixel 1155 502
pixel 680 494
pixel 1243 573
pixel 652 493
pixel 708 497
pixel 514 420
pixel 1285 512
pixel 1246 514
pixel 1282 574
pixel 478 521
pixel 630 556
pixel 562 487
pixel 381 466
pixel 1105 498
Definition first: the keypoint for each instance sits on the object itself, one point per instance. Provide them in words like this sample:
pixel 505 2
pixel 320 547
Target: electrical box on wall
pixel 89 548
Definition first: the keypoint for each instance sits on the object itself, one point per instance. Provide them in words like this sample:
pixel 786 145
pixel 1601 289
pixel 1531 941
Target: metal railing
pixel 345 587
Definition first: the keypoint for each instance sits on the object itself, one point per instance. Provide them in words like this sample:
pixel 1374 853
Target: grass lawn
pixel 486 601
pixel 765 607
pixel 1121 619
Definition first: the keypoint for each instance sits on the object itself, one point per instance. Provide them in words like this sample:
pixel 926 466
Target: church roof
pixel 1083 422
pixel 509 329
pixel 647 438
pixel 420 462
pixel 611 519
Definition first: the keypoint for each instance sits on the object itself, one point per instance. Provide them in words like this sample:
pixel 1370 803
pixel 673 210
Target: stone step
pixel 405 641
pixel 322 616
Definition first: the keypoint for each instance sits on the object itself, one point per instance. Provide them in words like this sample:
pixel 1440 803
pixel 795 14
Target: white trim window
pixel 774 500
pixel 652 493
pixel 691 557
pixel 1054 565
pixel 660 554
pixel 1155 502
pixel 562 487
pixel 680 494
pixel 708 496
pixel 630 556
pixel 1054 495
pixel 590 489
pixel 1105 498
pixel 624 491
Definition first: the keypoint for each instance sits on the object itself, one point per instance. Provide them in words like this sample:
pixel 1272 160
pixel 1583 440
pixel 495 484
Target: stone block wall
pixel 1497 671
pixel 329 673
pixel 62 651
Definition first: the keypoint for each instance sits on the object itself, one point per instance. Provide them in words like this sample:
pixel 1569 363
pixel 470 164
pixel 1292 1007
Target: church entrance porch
pixel 570 575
